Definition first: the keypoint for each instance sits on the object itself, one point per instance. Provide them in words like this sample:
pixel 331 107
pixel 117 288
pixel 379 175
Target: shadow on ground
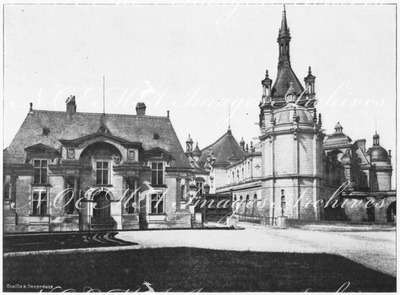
pixel 192 269
pixel 54 241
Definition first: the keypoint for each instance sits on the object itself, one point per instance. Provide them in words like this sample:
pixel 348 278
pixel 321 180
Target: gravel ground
pixel 374 249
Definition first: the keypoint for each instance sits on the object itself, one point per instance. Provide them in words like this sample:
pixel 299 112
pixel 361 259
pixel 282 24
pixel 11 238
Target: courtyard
pixel 250 259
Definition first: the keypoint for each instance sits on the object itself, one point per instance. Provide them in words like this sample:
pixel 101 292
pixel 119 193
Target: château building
pixel 296 170
pixel 67 171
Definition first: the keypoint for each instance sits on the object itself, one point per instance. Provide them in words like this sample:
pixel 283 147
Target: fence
pixel 260 219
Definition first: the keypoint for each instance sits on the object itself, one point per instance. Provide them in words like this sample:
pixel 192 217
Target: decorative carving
pixel 131 155
pixel 116 158
pixel 71 153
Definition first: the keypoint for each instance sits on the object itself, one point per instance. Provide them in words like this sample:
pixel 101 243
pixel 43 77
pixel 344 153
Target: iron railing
pixel 260 219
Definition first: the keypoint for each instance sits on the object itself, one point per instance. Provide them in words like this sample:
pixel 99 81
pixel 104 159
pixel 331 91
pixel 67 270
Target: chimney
pixel 71 105
pixel 140 109
pixel 30 108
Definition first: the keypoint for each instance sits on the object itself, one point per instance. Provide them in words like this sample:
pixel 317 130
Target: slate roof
pixel 64 126
pixel 284 77
pixel 223 149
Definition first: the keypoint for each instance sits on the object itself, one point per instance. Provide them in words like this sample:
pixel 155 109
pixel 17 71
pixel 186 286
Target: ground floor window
pixel 70 195
pixel 157 204
pixel 39 204
pixel 131 204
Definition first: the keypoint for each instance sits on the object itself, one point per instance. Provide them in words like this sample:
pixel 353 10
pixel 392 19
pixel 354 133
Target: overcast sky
pixel 195 60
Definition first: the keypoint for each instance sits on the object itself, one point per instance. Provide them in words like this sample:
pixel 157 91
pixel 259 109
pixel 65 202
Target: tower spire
pixel 284 26
pixel 283 41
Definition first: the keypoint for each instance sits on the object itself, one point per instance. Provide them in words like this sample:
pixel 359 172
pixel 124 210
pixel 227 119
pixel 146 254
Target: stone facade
pixel 70 171
pixel 303 172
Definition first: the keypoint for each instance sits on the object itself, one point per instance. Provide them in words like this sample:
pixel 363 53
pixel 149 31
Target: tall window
pixel 157 173
pixel 70 195
pixel 131 205
pixel 157 204
pixel 199 188
pixel 6 192
pixel 102 169
pixel 39 203
pixel 39 171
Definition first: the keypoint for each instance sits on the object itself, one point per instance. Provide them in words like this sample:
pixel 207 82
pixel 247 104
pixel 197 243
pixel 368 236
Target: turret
pixel 196 153
pixel 310 82
pixel 242 143
pixel 189 145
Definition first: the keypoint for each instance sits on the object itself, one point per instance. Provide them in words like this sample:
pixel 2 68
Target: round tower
pixel 291 141
pixel 381 166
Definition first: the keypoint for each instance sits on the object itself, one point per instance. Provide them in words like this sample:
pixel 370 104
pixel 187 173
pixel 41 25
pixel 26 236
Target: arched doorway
pixel 391 212
pixel 101 217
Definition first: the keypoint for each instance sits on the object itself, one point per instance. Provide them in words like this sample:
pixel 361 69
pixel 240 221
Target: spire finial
pixel 104 95
pixel 266 74
pixel 284 22
pixel 229 117
pixel 309 70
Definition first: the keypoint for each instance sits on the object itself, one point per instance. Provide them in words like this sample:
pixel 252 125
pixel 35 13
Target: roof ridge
pixel 99 114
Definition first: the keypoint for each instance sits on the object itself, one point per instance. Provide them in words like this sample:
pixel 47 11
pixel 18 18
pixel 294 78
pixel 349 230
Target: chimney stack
pixel 71 105
pixel 140 109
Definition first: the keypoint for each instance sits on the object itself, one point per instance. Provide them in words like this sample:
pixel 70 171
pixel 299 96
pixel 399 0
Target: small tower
pixel 338 128
pixel 266 85
pixel 242 144
pixel 381 169
pixel 310 82
pixel 189 145
pixel 375 139
pixel 196 153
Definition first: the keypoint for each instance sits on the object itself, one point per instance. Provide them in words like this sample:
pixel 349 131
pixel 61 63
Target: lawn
pixel 190 269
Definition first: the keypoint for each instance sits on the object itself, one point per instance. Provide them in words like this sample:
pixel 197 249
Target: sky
pixel 199 61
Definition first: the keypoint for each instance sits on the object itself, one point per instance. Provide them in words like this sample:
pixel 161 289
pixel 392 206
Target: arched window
pixel 238 175
pixel 243 173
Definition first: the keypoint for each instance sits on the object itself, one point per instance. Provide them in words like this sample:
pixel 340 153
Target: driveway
pixel 373 249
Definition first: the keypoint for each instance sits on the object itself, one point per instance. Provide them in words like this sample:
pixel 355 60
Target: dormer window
pixel 39 171
pixel 157 173
pixel 102 172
